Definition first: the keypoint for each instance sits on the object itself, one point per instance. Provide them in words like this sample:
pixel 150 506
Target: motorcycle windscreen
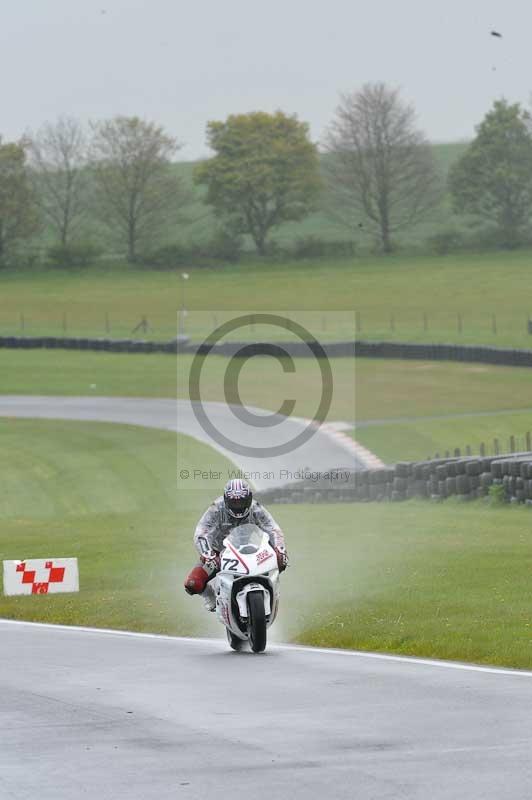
pixel 248 536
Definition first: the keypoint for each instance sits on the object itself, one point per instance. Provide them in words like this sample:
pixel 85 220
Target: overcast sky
pixel 183 63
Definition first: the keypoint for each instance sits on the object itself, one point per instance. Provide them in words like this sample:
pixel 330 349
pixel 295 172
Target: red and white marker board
pixel 41 576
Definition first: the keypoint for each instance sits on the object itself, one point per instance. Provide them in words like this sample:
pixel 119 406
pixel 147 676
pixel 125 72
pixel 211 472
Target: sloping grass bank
pixel 445 581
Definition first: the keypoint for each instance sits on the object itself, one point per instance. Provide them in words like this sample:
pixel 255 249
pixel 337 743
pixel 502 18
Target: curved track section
pixel 321 453
pixel 109 716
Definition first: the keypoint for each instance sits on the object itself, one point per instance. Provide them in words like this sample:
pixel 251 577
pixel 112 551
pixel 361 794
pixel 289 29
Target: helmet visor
pixel 238 506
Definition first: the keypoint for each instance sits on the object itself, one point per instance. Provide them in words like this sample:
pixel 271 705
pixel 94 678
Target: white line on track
pixel 428 662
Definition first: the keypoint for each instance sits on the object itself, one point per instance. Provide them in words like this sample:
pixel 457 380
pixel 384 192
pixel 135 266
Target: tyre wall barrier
pixel 437 479
pixel 107 345
pixel 363 349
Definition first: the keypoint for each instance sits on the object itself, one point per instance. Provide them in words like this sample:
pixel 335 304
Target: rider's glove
pixel 282 558
pixel 211 562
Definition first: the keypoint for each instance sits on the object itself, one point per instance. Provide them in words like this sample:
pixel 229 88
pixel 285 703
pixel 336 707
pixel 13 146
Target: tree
pixel 136 189
pixel 58 156
pixel 493 179
pixel 380 168
pixel 264 172
pixel 18 217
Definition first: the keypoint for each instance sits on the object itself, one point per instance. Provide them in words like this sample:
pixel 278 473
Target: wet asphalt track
pixel 320 453
pixel 106 716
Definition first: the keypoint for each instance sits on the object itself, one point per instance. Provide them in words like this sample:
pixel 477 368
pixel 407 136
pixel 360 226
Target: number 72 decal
pixel 230 564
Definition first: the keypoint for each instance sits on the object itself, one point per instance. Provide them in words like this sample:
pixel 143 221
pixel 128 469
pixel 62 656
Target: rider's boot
pixel 209 598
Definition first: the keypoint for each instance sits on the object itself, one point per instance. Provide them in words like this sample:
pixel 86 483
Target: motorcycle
pixel 247 587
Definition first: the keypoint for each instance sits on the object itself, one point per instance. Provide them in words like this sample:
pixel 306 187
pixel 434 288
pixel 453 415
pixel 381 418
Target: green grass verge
pixel 418 439
pixel 447 581
pixel 105 494
pixel 368 389
pixel 442 582
pixel 405 288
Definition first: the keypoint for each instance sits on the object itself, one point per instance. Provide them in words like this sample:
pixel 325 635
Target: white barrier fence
pixel 41 576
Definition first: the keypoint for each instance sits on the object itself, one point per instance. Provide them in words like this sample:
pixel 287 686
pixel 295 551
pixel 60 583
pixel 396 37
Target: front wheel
pixel 257 622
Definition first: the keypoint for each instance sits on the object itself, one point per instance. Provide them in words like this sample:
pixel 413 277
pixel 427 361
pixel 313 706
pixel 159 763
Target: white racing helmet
pixel 238 498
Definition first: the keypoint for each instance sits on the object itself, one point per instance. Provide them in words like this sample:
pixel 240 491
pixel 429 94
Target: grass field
pixel 443 581
pixel 422 438
pixel 384 390
pixel 415 298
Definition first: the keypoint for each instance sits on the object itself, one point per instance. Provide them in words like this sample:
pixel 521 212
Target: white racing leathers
pixel 216 524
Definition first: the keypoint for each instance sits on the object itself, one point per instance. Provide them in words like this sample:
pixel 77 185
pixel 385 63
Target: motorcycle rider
pixel 235 507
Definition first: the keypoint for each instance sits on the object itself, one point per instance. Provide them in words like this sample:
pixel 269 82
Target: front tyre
pixel 257 622
pixel 234 642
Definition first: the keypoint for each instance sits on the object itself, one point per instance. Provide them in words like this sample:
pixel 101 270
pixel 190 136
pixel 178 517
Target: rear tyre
pixel 234 642
pixel 257 622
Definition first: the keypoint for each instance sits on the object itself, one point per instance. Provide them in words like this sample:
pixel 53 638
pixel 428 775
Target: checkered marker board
pixel 41 576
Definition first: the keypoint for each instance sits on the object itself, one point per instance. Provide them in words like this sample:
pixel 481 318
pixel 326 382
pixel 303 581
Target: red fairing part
pixel 196 581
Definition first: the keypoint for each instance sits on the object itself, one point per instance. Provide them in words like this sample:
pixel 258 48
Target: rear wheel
pixel 257 622
pixel 234 642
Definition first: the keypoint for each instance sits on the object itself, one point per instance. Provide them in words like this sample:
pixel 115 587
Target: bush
pixel 497 494
pixel 493 238
pixel 446 241
pixel 223 248
pixel 170 256
pixel 22 258
pixel 68 256
pixel 313 247
pixel 308 247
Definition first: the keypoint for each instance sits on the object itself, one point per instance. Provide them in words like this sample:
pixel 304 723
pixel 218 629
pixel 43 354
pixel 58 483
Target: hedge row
pixel 464 478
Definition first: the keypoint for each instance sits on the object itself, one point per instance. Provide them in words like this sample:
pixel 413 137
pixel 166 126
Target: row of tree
pixel 377 167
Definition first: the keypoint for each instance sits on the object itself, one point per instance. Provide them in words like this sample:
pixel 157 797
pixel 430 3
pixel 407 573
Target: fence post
pixel 512 444
pixel 468 450
pixel 496 450
pixel 482 449
pixel 528 443
pixel 447 454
